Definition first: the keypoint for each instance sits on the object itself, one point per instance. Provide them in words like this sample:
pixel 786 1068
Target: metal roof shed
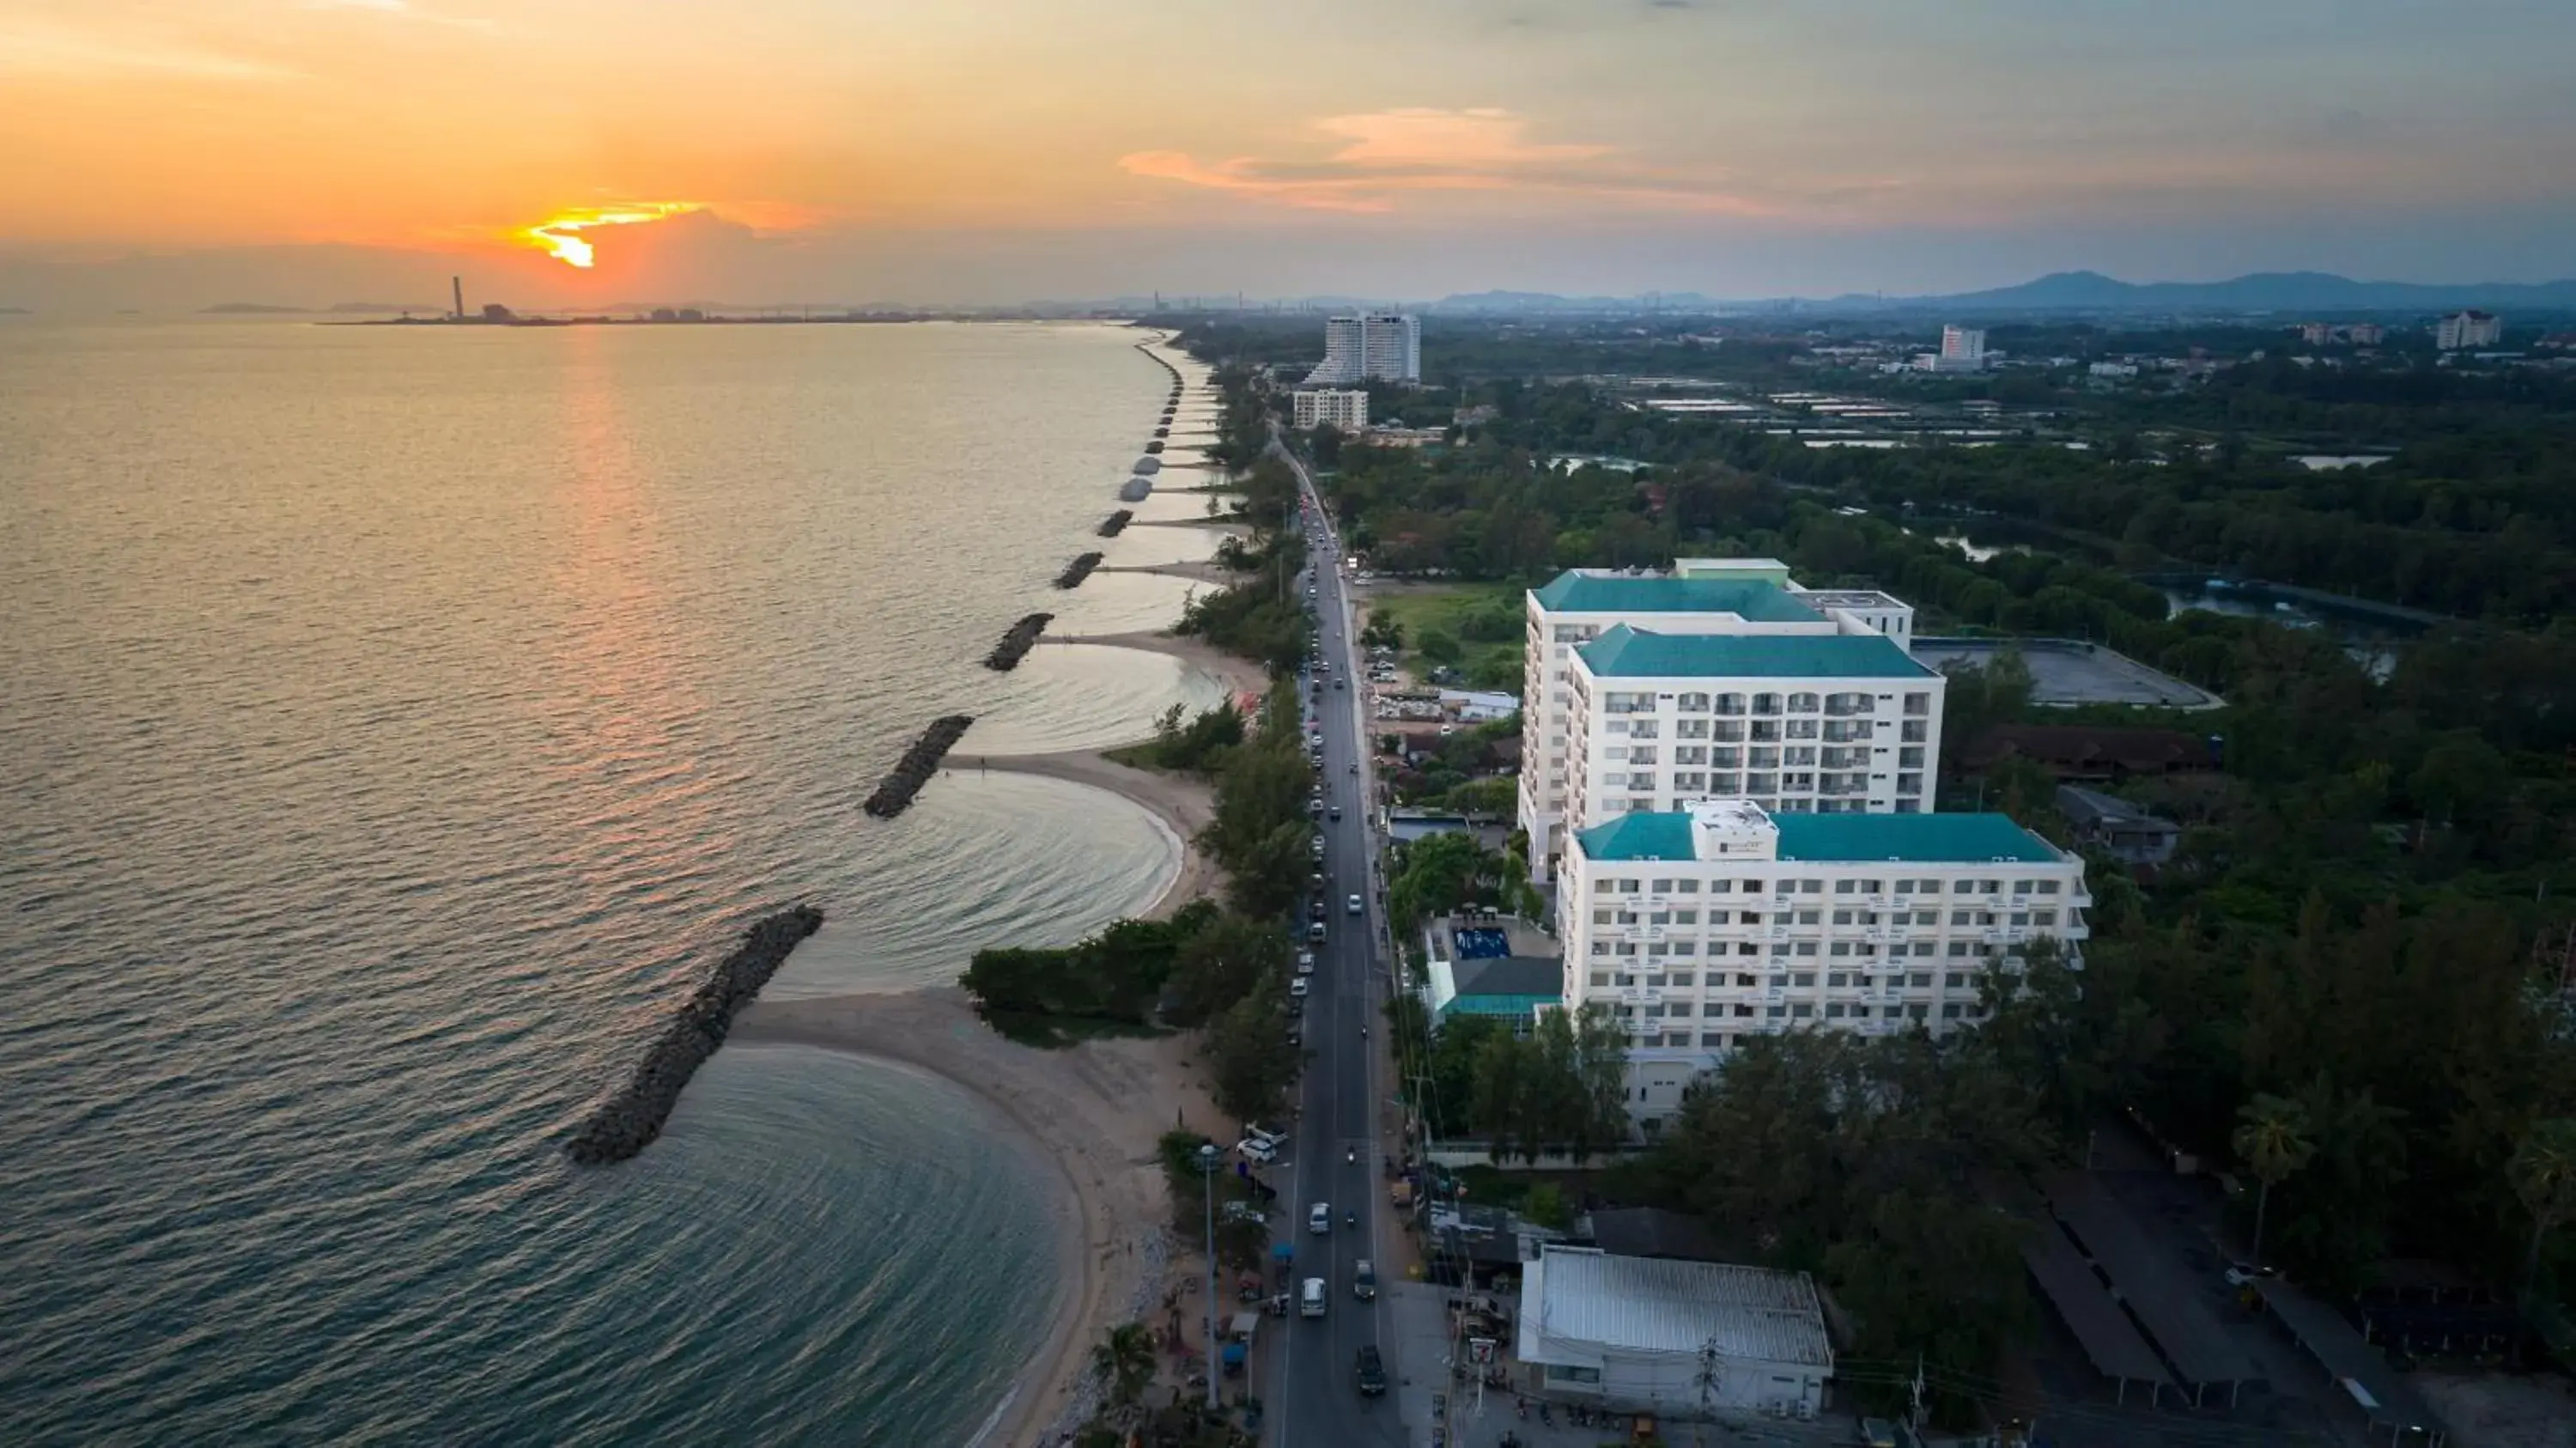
pixel 2391 1402
pixel 2195 1343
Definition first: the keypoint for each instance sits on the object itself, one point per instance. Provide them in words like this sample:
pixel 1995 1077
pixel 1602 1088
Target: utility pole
pixel 1914 1411
pixel 1207 1175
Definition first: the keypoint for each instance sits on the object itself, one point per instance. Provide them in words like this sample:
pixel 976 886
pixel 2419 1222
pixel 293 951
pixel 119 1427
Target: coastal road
pixel 1317 1399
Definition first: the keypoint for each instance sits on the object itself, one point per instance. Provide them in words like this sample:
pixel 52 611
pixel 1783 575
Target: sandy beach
pixel 1094 1111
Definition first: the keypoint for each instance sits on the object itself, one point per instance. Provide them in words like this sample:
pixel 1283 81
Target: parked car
pixel 1315 933
pixel 1297 987
pixel 1305 962
pixel 1260 1151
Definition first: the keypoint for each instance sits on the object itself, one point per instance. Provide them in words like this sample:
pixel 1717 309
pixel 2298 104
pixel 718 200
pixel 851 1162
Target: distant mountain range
pixel 2086 291
pixel 268 309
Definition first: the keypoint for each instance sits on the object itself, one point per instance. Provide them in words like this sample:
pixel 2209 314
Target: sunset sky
pixel 994 150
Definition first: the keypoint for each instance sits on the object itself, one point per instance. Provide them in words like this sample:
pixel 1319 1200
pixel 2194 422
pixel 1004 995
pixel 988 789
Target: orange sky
pixel 462 124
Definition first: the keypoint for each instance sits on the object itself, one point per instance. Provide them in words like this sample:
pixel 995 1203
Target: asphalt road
pixel 1317 1400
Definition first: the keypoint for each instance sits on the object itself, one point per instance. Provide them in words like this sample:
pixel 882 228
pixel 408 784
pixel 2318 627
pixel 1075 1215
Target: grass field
pixel 1483 618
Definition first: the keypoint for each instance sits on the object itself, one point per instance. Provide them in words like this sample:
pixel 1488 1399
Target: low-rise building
pixel 1646 1334
pixel 1329 407
pixel 1705 926
pixel 2126 832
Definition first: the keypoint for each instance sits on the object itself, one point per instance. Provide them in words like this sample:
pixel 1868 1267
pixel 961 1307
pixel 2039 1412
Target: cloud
pixel 403 10
pixel 1419 149
pixel 34 48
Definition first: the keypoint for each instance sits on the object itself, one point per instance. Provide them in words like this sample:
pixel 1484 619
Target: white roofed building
pixel 1647 1334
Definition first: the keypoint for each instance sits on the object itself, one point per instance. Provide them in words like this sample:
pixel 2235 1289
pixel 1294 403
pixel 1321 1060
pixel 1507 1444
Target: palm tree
pixel 2543 1172
pixel 2272 1140
pixel 1126 1359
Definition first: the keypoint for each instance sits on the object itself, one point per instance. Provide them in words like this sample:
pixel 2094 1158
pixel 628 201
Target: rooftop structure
pixel 1643 1333
pixel 1628 653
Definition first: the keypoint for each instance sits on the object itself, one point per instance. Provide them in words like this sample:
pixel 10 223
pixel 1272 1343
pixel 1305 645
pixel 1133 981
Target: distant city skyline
pixel 569 152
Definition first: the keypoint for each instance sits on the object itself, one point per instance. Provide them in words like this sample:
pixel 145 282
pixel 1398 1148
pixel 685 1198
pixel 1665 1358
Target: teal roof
pixel 1916 839
pixel 1642 836
pixel 1921 839
pixel 1624 652
pixel 1755 601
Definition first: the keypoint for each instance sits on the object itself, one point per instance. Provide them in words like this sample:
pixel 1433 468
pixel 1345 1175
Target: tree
pixel 2543 1173
pixel 2272 1140
pixel 1126 1359
pixel 1232 958
pixel 1438 646
pixel 1252 1059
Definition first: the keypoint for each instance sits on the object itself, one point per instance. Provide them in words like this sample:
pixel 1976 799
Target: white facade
pixel 1843 723
pixel 1734 596
pixel 1386 346
pixel 1705 926
pixel 1329 407
pixel 2468 329
pixel 1642 1333
pixel 1963 344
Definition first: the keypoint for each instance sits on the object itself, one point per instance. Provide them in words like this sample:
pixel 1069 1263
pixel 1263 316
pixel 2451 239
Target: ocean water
pixel 392 722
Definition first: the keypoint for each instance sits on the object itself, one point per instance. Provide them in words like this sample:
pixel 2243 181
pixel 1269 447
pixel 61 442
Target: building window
pixel 1600 980
pixel 1833 1010
pixel 1556 1374
pixel 1804 980
pixel 1802 1010
pixel 1918 705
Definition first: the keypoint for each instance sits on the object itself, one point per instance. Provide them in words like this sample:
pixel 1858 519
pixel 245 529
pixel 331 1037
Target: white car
pixel 1260 1151
pixel 1354 905
pixel 1297 987
pixel 1305 962
pixel 1319 1219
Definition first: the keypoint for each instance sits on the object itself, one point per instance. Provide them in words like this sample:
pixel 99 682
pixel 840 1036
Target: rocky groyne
pixel 1016 644
pixel 629 1120
pixel 1078 570
pixel 894 793
pixel 1116 523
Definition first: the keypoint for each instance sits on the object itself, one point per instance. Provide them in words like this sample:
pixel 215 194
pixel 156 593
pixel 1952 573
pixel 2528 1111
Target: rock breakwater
pixel 894 793
pixel 1016 644
pixel 630 1119
pixel 1078 570
pixel 1116 523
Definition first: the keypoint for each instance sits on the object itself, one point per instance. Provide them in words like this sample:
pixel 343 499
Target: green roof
pixel 1752 600
pixel 1624 652
pixel 1921 839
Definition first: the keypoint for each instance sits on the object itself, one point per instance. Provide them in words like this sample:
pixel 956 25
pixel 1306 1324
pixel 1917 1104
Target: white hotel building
pixel 1735 597
pixel 1705 925
pixel 1383 346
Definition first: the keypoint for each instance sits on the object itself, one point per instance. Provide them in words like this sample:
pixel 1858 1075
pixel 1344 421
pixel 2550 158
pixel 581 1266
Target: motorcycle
pixel 1350 1219
pixel 1544 1417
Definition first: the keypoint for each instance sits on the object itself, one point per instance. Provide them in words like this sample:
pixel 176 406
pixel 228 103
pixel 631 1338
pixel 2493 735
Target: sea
pixel 394 723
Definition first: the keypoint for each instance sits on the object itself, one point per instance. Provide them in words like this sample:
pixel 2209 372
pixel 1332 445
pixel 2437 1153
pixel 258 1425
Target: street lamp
pixel 1207 1174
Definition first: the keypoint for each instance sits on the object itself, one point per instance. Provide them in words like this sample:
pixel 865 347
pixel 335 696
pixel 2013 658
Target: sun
pixel 560 236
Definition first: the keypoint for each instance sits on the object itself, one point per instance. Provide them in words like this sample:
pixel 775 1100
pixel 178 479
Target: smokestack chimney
pixel 456 286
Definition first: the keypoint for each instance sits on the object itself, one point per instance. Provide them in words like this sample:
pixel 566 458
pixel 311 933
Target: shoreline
pixel 1075 1107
